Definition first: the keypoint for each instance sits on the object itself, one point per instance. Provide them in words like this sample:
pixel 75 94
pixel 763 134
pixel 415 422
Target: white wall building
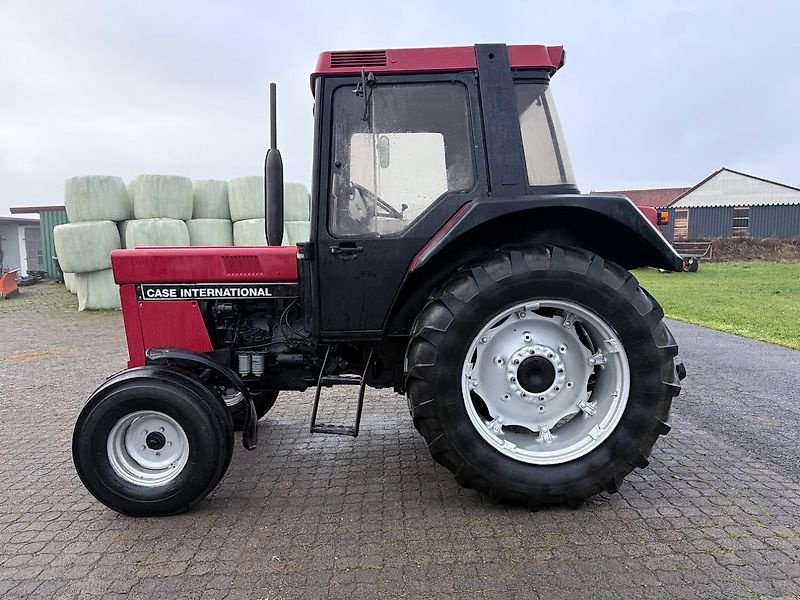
pixel 20 245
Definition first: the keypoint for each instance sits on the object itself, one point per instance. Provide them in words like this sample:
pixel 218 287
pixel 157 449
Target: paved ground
pixel 717 514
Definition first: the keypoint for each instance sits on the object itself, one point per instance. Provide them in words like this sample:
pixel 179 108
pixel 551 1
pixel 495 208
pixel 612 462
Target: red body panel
pixel 650 213
pixel 431 60
pixel 179 324
pixel 228 264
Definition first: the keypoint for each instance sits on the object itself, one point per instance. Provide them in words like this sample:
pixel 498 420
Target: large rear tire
pixel 152 441
pixel 542 376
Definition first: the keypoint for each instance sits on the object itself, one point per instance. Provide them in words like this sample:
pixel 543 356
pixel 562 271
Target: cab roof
pixel 431 60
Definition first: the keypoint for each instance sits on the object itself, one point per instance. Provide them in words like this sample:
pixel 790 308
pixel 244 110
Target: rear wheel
pixel 151 442
pixel 542 376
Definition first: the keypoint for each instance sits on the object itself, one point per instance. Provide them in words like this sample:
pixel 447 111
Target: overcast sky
pixel 653 93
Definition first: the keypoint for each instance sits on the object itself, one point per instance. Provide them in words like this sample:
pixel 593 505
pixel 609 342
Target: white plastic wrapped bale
pixel 123 229
pixel 162 197
pixel 296 214
pixel 210 199
pixel 210 232
pixel 156 232
pixel 97 290
pixel 246 198
pixel 69 282
pixel 96 198
pixel 249 232
pixel 85 247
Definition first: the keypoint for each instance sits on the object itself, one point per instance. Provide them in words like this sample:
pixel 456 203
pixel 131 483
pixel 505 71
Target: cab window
pixel 397 148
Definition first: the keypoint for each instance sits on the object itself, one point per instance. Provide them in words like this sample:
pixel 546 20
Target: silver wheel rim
pixel 147 448
pixel 510 397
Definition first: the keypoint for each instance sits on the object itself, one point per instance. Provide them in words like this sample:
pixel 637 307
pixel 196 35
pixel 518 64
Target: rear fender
pixel 610 226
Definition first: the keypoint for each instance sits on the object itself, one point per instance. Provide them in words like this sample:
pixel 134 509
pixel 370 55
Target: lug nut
pixel 516 361
pixel 484 340
pixel 513 379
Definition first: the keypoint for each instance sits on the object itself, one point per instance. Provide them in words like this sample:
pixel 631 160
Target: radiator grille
pixel 241 265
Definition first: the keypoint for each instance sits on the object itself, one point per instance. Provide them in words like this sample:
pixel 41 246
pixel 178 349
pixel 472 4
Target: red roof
pixel 655 198
pixel 431 60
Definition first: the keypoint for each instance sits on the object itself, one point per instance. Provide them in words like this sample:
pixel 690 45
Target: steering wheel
pixel 389 211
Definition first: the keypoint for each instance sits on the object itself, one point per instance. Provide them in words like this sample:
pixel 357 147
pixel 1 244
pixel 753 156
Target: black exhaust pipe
pixel 273 178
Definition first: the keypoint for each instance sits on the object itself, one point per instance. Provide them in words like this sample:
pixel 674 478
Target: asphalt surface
pixel 715 515
pixel 744 391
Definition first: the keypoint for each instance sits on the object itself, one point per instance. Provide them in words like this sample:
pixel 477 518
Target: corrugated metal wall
pixel 48 219
pixel 775 221
pixel 711 222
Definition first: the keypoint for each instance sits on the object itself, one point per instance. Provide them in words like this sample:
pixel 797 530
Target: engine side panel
pixel 243 264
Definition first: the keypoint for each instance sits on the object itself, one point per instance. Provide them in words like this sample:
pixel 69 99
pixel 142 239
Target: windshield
pixel 546 154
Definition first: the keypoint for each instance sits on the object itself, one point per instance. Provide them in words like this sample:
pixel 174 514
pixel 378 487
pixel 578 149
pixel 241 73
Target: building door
pixel 681 228
pixel 33 249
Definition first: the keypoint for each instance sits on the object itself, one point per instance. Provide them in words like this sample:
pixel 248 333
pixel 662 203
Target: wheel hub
pixel 155 440
pixel 536 373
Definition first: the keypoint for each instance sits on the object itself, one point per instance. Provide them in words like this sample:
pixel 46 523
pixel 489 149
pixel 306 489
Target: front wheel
pixel 542 376
pixel 152 441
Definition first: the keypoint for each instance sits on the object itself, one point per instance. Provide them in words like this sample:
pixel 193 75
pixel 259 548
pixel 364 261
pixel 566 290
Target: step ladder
pixel 332 380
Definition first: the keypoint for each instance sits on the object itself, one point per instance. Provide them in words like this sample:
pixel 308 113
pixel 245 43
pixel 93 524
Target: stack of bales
pixel 246 200
pixel 161 210
pixel 161 205
pixel 210 224
pixel 94 204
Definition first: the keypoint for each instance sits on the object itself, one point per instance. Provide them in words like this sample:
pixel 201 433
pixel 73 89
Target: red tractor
pixel 451 258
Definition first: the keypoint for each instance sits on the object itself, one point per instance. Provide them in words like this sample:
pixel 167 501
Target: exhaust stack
pixel 273 178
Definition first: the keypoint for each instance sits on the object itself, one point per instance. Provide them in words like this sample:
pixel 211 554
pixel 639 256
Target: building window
pixel 741 221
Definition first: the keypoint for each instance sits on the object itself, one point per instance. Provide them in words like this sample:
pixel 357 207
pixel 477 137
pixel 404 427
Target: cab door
pixel 400 160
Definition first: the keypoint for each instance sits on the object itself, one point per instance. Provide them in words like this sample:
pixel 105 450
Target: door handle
pixel 347 249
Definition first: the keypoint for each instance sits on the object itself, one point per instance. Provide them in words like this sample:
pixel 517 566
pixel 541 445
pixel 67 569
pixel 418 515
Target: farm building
pixel 49 217
pixel 727 203
pixel 20 245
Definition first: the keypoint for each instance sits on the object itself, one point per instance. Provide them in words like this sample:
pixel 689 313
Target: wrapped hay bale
pixel 295 232
pixel 97 290
pixel 123 229
pixel 210 232
pixel 246 198
pixel 249 232
pixel 96 198
pixel 296 214
pixel 162 197
pixel 84 247
pixel 156 232
pixel 69 282
pixel 210 199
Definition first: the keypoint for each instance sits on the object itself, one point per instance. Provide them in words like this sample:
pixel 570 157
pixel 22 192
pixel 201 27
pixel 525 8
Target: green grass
pixel 758 300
